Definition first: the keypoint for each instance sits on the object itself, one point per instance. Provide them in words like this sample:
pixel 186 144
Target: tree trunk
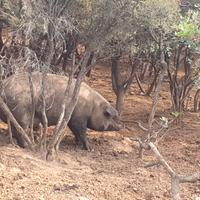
pixel 143 71
pixel 196 101
pixel 12 119
pixel 70 46
pixel 153 84
pixel 120 100
pixel 33 105
pixel 1 41
pixel 139 83
pixel 68 105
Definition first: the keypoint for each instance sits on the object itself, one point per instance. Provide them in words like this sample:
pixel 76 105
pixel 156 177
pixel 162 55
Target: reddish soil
pixel 112 171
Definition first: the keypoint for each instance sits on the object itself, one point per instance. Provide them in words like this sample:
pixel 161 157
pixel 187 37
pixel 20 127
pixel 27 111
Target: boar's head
pixel 104 118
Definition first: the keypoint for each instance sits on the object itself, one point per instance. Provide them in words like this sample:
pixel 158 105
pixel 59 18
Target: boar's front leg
pixel 78 128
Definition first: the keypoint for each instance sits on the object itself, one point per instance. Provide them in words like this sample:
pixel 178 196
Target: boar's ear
pixel 110 112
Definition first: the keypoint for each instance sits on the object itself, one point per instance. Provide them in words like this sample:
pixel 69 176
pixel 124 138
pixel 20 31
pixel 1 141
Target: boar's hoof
pixel 87 147
pixel 84 145
pixel 20 142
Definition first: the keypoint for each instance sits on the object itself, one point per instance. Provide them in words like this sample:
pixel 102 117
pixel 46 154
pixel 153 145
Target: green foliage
pixel 197 82
pixel 176 114
pixel 189 30
pixel 153 26
pixel 187 5
pixel 158 14
pixel 10 12
pixel 107 25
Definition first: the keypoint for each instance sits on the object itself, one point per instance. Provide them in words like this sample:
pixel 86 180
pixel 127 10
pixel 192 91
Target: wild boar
pixel 91 111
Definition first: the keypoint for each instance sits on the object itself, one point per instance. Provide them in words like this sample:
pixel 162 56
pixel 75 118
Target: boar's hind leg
pixel 20 141
pixel 79 130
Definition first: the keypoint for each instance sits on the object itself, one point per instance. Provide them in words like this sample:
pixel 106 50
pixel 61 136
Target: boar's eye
pixel 107 114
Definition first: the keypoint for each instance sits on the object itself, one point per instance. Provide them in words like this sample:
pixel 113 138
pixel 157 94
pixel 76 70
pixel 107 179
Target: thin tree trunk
pixel 50 48
pixel 152 84
pixel 12 119
pixel 143 72
pixel 1 41
pixel 120 101
pixel 33 106
pixel 197 101
pixel 139 83
pixel 148 134
pixel 68 105
pixel 119 84
pixel 43 112
pixel 10 132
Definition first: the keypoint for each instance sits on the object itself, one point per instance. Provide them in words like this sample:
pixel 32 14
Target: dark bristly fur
pixel 92 110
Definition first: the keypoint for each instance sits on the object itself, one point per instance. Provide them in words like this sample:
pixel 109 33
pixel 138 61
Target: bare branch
pixel 175 178
pixel 189 179
pixel 33 105
pixel 162 160
pixel 10 116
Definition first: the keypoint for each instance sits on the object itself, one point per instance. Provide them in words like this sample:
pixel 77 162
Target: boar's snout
pixel 115 126
pixel 112 116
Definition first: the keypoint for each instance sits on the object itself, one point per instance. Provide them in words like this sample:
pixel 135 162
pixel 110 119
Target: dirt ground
pixel 112 170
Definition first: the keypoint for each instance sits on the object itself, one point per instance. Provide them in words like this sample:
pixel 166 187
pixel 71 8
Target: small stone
pixel 92 192
pixel 151 175
pixel 135 189
pixel 166 194
pixel 2 166
pixel 56 187
pixel 22 187
pixel 69 187
pixel 156 187
pixel 83 198
pixel 42 198
pixel 115 154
